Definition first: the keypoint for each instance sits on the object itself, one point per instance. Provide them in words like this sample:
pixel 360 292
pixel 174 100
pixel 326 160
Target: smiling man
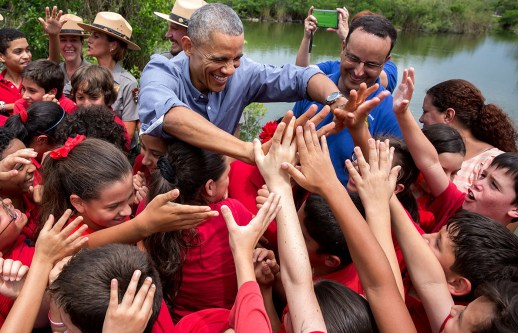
pixel 199 95
pixel 366 49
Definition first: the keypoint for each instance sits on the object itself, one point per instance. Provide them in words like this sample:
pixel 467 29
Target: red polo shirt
pixel 9 92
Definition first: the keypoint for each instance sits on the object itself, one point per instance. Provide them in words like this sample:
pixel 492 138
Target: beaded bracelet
pixel 57 324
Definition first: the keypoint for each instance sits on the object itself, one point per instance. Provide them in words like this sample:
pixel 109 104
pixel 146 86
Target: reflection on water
pixel 490 62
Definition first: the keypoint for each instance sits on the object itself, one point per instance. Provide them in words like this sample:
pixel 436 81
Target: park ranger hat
pixel 114 25
pixel 182 11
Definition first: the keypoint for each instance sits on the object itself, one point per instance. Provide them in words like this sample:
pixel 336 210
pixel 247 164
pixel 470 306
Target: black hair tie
pixel 166 170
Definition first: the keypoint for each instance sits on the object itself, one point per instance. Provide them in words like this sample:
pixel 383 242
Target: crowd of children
pixel 187 240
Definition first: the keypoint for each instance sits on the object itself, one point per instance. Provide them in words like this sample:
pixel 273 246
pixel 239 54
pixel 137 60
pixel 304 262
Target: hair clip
pixel 62 152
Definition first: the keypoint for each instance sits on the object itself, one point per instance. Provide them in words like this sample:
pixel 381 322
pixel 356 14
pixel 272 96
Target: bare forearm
pixel 270 308
pixel 54 48
pixel 379 225
pixel 23 314
pixel 303 55
pixel 320 87
pixel 244 268
pixel 189 126
pixel 129 232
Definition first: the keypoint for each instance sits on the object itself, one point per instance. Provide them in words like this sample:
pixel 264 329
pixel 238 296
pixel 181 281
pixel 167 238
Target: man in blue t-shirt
pixel 364 52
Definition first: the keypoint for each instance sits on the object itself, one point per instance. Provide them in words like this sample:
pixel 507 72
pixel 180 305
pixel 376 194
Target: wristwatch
pixel 2 106
pixel 331 99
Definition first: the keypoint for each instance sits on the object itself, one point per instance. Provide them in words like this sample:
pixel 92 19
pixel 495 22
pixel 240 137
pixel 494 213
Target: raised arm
pixel 317 175
pixel 54 242
pixel 423 152
pixel 425 270
pixel 310 27
pixel 52 26
pixel 375 183
pixel 296 273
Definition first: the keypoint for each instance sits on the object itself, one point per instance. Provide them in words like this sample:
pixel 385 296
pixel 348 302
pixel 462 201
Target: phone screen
pixel 326 18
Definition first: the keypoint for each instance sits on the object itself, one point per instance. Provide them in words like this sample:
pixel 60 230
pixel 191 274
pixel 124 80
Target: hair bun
pixel 166 170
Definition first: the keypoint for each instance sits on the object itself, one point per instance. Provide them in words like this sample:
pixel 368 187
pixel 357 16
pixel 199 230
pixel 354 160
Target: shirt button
pixel 208 108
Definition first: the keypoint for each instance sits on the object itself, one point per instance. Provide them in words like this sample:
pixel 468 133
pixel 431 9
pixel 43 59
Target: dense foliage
pixel 458 16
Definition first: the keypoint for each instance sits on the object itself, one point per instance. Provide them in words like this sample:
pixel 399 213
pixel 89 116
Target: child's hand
pixel 13 276
pixel 316 170
pixel 283 149
pixel 52 23
pixel 58 267
pixel 56 242
pixel 139 180
pixel 50 98
pixel 375 181
pixel 9 163
pixel 265 266
pixel 262 196
pixel 37 193
pixel 162 215
pixel 404 92
pixel 354 113
pixel 133 312
pixel 243 239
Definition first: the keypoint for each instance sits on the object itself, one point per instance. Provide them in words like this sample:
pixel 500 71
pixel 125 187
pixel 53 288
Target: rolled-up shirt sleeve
pixel 159 93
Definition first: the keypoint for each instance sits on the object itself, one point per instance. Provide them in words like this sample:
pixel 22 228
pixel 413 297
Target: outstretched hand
pixel 243 239
pixel 354 113
pixel 283 149
pixel 52 23
pixel 132 314
pixel 375 181
pixel 162 215
pixel 56 241
pixel 404 92
pixel 316 170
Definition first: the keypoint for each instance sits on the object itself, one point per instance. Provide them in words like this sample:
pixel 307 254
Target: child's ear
pixel 513 213
pixel 449 115
pixel 2 57
pixel 42 139
pixel 210 187
pixel 53 91
pixel 332 261
pixel 399 188
pixel 77 202
pixel 459 286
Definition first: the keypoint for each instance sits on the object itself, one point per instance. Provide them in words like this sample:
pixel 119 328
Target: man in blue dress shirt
pixel 199 95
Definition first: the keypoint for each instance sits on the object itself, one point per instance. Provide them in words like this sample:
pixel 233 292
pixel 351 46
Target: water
pixel 490 62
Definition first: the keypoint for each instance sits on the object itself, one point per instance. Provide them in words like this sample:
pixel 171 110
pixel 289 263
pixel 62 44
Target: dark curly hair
pixel 6 136
pixel 94 121
pixel 7 35
pixel 487 122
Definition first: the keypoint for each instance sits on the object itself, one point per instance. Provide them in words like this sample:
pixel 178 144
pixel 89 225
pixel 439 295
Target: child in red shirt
pixel 196 266
pixel 15 54
pixel 43 80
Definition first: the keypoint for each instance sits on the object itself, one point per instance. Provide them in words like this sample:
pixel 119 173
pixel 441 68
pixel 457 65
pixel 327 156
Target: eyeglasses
pixel 10 212
pixel 355 61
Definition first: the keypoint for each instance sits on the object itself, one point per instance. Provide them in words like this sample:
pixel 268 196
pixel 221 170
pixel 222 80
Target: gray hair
pixel 213 17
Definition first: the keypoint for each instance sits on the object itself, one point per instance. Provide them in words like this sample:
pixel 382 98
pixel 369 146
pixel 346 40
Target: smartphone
pixel 326 18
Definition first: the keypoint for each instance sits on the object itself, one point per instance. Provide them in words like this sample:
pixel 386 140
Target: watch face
pixel 333 97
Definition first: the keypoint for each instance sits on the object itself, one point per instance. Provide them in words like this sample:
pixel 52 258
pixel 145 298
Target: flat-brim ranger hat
pixel 182 11
pixel 114 25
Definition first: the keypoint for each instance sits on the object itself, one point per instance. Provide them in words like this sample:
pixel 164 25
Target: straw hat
pixel 114 25
pixel 182 11
pixel 70 28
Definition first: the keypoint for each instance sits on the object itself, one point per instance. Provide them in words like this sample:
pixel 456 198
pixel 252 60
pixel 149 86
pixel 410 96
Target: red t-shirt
pixel 446 204
pixel 208 273
pixel 204 321
pixel 163 323
pixel 248 313
pixel 244 181
pixel 9 93
pixel 24 253
pixel 67 104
